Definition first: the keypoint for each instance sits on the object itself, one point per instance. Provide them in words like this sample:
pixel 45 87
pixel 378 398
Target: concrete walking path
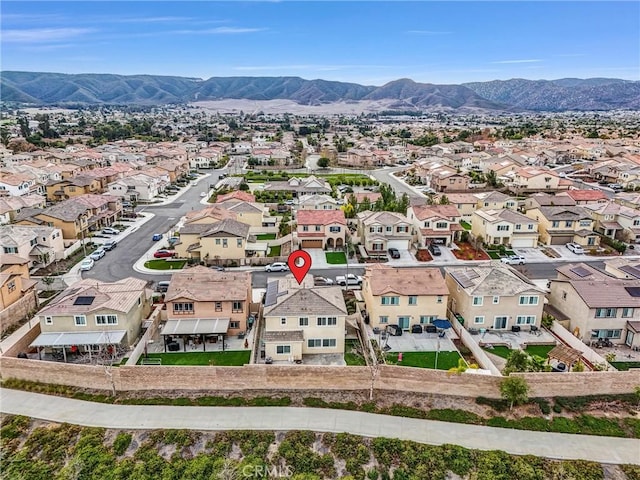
pixel 517 442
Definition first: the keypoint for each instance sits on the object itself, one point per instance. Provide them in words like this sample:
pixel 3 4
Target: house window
pixel 139 300
pixel 283 321
pixel 518 226
pixel 636 223
pixel 10 249
pixel 442 225
pixel 503 228
pixel 48 320
pixel 372 229
pixel 478 320
pixel 627 312
pixel 225 243
pixel 568 223
pixel 305 228
pixel 403 229
pixel 390 300
pixel 234 324
pixel 378 247
pixel 424 319
pixel 80 320
pixel 413 300
pixel 477 301
pixel 314 342
pixel 564 295
pixel 525 319
pixel 439 299
pixel 606 333
pixel 237 307
pixel 217 241
pixel 334 229
pixel 530 226
pixel 528 300
pixel 318 228
pixel 303 321
pixel 606 312
pixel 389 229
pixel 239 243
pixel 591 240
pixel 496 299
pixel 586 223
pixel 555 224
pixel 11 286
pixel 426 224
pixel 329 342
pixel 283 349
pixel 34 241
pixel 106 319
pixel 183 308
pixel 218 306
pixel 327 321
pixel 384 319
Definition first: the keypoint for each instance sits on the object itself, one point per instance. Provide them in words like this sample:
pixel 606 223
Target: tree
pixel 444 200
pixel 515 390
pixel 518 361
pixel 4 136
pixel 323 162
pixel 244 187
pixel 48 281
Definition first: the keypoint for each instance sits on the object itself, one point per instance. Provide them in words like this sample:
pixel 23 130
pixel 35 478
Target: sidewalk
pixel 517 442
pixel 173 198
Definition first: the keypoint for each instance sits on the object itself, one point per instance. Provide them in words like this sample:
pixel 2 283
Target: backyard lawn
pixel 351 353
pixel 230 358
pixel 336 258
pixel 625 365
pixel 266 236
pixel 162 264
pixel 446 360
pixel 499 350
pixel 274 251
pixel 465 225
pixel 540 350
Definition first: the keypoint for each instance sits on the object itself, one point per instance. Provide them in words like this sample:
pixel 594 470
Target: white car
pixel 86 264
pixel 98 254
pixel 111 231
pixel 350 279
pixel 575 248
pixel 513 260
pixel 276 267
pixel 203 194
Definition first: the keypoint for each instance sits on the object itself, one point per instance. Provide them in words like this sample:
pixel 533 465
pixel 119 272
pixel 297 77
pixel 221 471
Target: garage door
pixel 523 242
pixel 311 243
pixel 399 244
pixel 561 239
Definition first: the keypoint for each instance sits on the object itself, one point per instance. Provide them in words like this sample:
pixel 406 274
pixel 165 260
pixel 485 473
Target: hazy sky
pixel 364 42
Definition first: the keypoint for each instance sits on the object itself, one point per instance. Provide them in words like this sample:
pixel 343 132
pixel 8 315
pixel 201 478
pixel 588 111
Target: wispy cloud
pixel 38 35
pixel 219 31
pixel 427 32
pixel 534 60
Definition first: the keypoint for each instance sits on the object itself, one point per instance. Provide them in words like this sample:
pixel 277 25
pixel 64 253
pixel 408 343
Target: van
pixel 163 286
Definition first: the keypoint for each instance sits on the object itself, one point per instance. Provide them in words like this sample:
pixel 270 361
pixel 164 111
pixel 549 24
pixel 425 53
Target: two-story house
pixel 493 297
pixel 561 225
pixel 534 179
pixel 92 315
pixel 438 224
pixel 39 245
pixel 317 202
pixel 597 306
pixel 58 190
pixel 392 296
pixel 310 185
pixel 204 304
pixel 379 231
pixel 495 201
pixel 17 290
pixel 616 221
pixel 135 188
pixel 321 228
pixel 505 227
pixel 251 213
pixel 301 319
pixel 212 242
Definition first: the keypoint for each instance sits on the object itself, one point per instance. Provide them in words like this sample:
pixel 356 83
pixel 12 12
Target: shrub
pixel 121 443
pixel 497 404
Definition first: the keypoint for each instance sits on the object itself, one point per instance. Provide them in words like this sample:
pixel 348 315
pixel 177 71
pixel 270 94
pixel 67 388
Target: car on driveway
pixel 513 260
pixel 86 264
pixel 164 254
pixel 276 267
pixel 575 248
pixel 434 249
pixel 110 231
pixel 394 253
pixel 110 245
pixel 98 254
pixel 322 281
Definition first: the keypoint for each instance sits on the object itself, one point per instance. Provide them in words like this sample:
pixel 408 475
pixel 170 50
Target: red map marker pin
pixel 299 263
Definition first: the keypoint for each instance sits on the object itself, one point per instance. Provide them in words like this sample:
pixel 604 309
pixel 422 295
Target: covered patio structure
pixel 79 342
pixel 565 354
pixel 194 331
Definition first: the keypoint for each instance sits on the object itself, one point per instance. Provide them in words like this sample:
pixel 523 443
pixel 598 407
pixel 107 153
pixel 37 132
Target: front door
pixel 628 341
pixel 403 323
pixel 500 323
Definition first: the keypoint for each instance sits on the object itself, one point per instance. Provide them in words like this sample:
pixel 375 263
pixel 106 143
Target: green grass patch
pixel 446 360
pixel 266 236
pixel 352 354
pixel 539 350
pixel 494 255
pixel 500 351
pixel 274 250
pixel 465 225
pixel 625 365
pixel 336 258
pixel 230 358
pixel 162 264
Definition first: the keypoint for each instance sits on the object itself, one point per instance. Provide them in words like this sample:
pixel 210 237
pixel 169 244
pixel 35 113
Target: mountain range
pixel 404 94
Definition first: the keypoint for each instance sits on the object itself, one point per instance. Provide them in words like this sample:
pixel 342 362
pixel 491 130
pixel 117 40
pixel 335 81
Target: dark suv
pixel 434 249
pixel 394 253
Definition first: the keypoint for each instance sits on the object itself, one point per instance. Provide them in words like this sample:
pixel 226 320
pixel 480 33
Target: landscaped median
pixel 164 264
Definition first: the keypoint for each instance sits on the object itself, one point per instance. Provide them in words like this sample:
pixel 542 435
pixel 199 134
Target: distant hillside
pixel 404 94
pixel 563 94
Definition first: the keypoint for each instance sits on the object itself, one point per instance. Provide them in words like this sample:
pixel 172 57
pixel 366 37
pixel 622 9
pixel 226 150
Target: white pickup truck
pixel 349 279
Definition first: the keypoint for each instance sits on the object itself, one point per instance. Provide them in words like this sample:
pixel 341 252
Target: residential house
pixel 135 188
pixel 394 297
pixel 58 190
pixel 18 184
pixel 321 228
pixel 236 195
pixel 534 179
pixel 466 203
pixel 596 306
pixel 582 197
pixel 39 245
pixel 310 185
pixel 91 313
pixel 628 199
pixel 616 221
pixel 302 319
pixel 317 202
pixel 439 224
pixel 211 242
pixel 505 227
pixel 16 287
pixel 379 231
pixel 10 207
pixel 561 225
pixel 495 297
pixel 542 199
pixel 207 303
pixel 495 201
pixel 623 268
pixel 251 213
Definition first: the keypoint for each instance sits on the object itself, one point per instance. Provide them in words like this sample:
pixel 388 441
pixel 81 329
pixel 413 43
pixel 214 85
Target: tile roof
pixel 491 280
pixel 584 195
pixel 238 195
pixel 425 212
pixel 307 301
pixel 384 279
pixel 203 284
pixel 565 213
pixel 320 217
pixel 214 212
pixel 227 226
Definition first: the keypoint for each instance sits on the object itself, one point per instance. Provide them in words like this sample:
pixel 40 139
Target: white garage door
pixel 523 243
pixel 399 244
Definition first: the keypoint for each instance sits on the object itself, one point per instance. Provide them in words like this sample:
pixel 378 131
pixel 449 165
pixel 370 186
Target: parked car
pixel 394 330
pixel 350 279
pixel 110 231
pixel 615 186
pixel 156 237
pixel 513 260
pixel 110 245
pixel 434 249
pixel 203 194
pixel 321 281
pixel 98 254
pixel 164 254
pixel 86 264
pixel 394 253
pixel 289 202
pixel 575 248
pixel 127 205
pixel 276 267
pixel 162 286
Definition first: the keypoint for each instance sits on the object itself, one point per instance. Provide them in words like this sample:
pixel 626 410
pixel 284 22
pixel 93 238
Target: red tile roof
pixel 237 195
pixel 320 217
pixel 424 212
pixel 585 195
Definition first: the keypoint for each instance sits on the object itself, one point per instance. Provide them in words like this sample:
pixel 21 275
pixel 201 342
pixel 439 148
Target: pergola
pixel 63 340
pixel 564 354
pixel 199 327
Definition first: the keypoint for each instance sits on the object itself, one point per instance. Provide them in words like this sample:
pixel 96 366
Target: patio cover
pixel 564 354
pixel 67 339
pixel 196 326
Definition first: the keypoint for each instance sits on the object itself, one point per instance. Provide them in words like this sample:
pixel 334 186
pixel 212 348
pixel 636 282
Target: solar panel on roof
pixel 271 296
pixel 472 274
pixel 633 291
pixel 580 271
pixel 84 300
pixel 462 279
pixel 634 271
